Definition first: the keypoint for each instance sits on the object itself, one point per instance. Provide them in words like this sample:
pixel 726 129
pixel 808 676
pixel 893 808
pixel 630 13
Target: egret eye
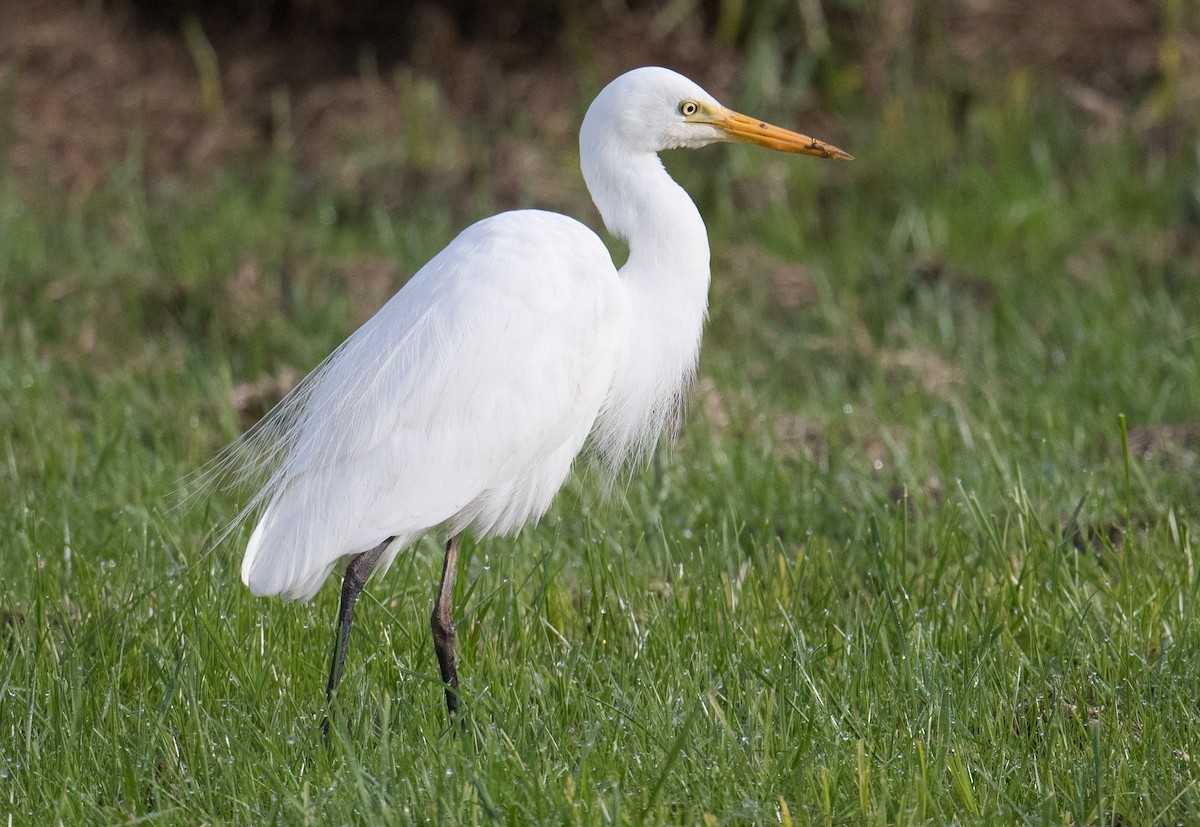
pixel 688 108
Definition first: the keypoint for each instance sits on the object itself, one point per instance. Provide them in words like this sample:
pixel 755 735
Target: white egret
pixel 463 403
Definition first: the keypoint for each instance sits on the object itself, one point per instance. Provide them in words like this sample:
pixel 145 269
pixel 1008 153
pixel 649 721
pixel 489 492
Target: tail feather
pixel 276 564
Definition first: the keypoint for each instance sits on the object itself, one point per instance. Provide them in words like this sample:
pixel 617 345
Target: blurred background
pixel 229 188
pixel 189 85
pixel 222 191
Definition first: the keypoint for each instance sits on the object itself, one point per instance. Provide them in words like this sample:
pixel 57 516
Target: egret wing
pixel 462 401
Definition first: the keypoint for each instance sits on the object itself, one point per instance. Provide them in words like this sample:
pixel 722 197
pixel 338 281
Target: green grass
pixel 899 569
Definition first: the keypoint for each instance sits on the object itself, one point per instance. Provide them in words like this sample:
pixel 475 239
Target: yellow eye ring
pixel 688 108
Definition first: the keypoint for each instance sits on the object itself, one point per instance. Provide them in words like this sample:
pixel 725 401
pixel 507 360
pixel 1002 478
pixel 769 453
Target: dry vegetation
pixel 88 84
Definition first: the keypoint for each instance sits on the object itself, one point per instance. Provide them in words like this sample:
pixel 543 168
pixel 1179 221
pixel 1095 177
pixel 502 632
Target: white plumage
pixel 463 403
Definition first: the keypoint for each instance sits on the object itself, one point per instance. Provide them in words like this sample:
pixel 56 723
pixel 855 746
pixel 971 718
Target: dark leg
pixel 442 623
pixel 356 576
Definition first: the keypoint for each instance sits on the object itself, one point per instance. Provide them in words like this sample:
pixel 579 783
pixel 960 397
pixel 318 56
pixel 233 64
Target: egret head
pixel 652 109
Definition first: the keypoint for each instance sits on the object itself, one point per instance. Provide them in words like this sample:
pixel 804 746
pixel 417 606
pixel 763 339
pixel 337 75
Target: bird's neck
pixel 666 277
pixel 643 205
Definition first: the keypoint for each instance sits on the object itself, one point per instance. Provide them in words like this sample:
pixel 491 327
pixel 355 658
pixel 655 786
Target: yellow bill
pixel 749 130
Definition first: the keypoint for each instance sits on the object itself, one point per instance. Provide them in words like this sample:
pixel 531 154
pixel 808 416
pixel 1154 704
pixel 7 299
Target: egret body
pixel 462 404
